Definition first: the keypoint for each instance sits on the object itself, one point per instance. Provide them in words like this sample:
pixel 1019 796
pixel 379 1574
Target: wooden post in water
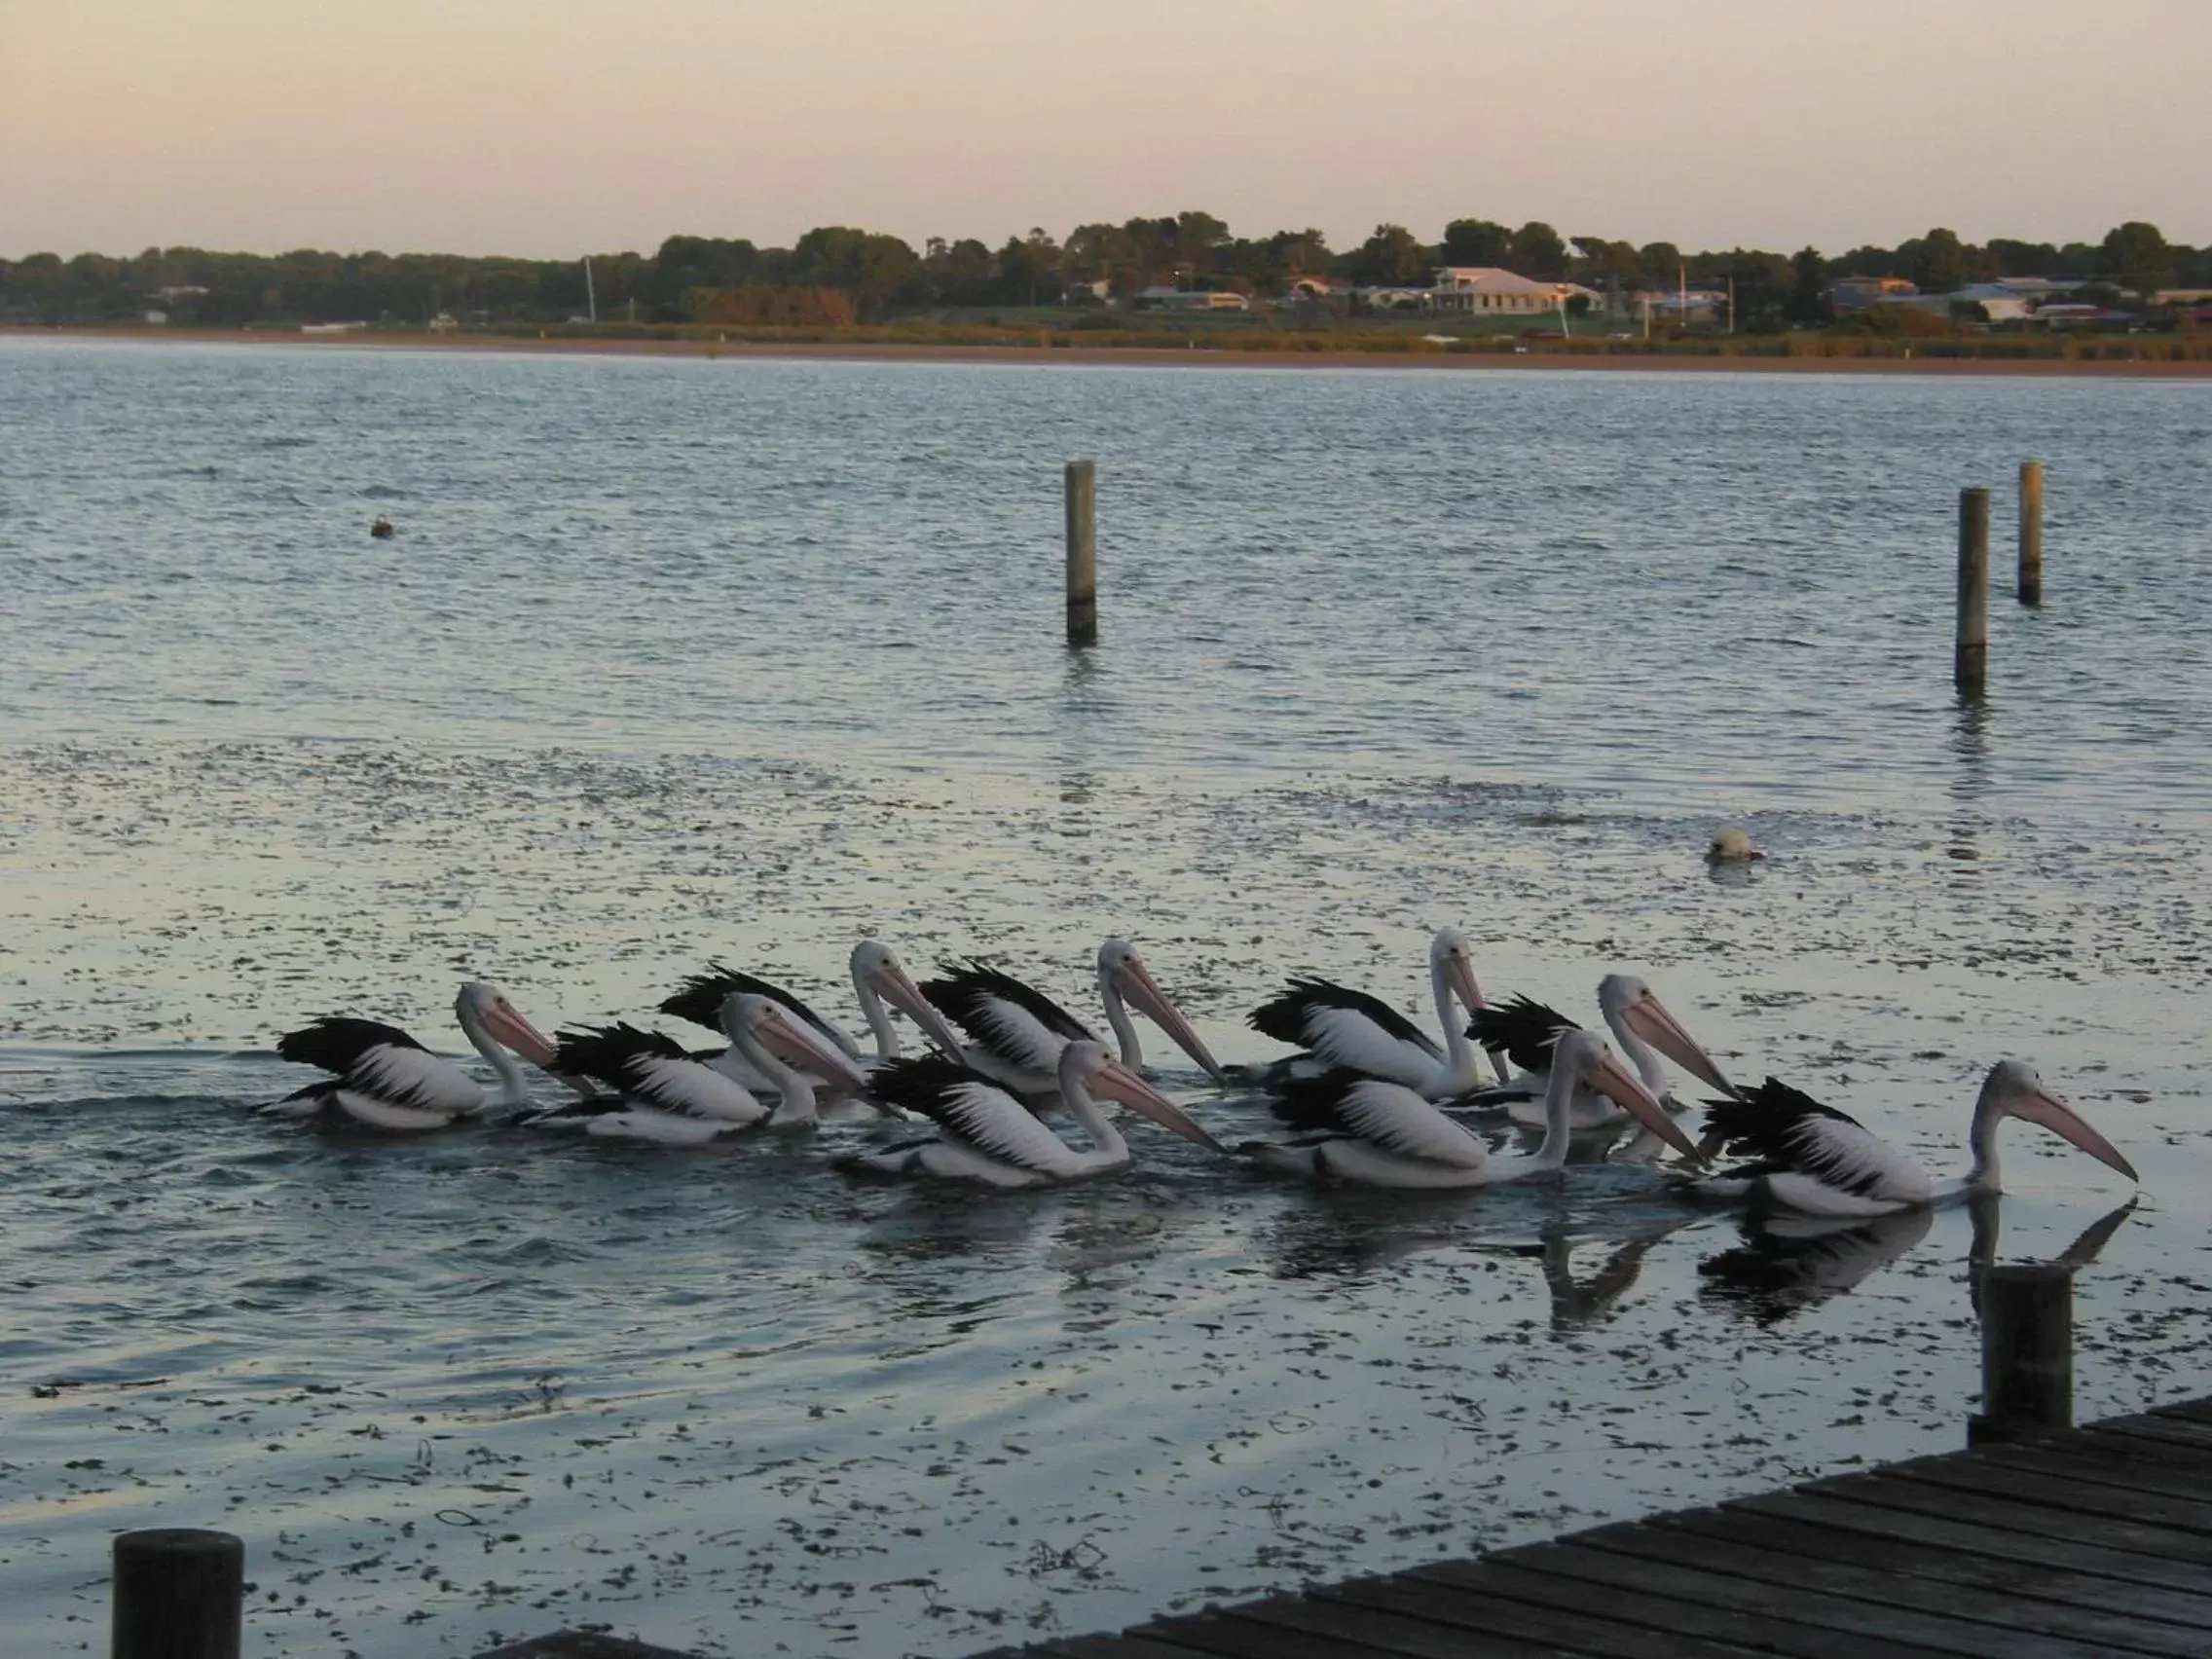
pixel 1970 658
pixel 179 1593
pixel 1082 553
pixel 2027 1351
pixel 2031 533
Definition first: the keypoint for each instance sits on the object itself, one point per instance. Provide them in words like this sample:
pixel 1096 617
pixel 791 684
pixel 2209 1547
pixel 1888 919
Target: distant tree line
pixel 837 273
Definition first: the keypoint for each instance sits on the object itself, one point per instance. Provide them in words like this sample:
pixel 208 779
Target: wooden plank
pixel 1111 1648
pixel 2009 1514
pixel 2158 1430
pixel 1585 1630
pixel 1982 1473
pixel 1394 1633
pixel 2017 1623
pixel 2126 1446
pixel 2146 1471
pixel 1887 1551
pixel 1225 1634
pixel 1788 1617
pixel 1946 1534
pixel 1661 1599
pixel 2193 1411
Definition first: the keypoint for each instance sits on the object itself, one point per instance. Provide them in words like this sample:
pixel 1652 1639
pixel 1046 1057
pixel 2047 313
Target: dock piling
pixel 2027 1351
pixel 2031 533
pixel 179 1593
pixel 1082 552
pixel 1969 660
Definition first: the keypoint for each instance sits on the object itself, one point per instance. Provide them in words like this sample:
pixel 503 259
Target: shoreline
pixel 1536 358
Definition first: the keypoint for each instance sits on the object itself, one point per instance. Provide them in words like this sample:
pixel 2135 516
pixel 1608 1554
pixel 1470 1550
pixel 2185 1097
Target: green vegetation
pixel 849 281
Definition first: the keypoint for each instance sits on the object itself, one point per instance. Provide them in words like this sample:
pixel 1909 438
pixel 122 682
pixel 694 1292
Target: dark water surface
pixel 679 659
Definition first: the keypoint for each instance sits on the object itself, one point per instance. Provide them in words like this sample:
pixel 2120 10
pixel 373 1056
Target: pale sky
pixel 552 128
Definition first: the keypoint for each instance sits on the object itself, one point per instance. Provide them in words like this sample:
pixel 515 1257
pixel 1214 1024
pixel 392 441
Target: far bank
pixel 2171 359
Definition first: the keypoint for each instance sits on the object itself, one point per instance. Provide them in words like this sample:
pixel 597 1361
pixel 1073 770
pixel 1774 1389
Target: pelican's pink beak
pixel 1649 1017
pixel 2040 1106
pixel 1146 996
pixel 1117 1082
pixel 893 984
pixel 1614 1080
pixel 505 1022
pixel 794 1041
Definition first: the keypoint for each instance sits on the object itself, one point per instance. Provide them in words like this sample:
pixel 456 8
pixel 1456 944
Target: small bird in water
pixel 381 529
pixel 1732 846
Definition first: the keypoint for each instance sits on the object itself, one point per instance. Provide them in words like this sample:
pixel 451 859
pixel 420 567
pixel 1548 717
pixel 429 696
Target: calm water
pixel 672 660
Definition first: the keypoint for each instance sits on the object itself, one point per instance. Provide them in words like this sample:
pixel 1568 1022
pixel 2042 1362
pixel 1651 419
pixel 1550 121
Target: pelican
pixel 1810 1159
pixel 786 1049
pixel 1522 1031
pixel 1015 1032
pixel 1350 1029
pixel 988 1136
pixel 655 1090
pixel 878 977
pixel 382 1077
pixel 1379 1133
pixel 660 1093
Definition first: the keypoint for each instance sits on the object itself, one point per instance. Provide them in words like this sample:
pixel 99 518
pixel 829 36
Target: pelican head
pixel 1450 961
pixel 877 966
pixel 752 1020
pixel 2012 1089
pixel 1591 1062
pixel 1087 1066
pixel 1628 999
pixel 483 1007
pixel 1121 970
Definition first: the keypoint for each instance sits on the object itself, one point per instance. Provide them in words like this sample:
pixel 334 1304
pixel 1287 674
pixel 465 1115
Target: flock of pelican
pixel 1368 1097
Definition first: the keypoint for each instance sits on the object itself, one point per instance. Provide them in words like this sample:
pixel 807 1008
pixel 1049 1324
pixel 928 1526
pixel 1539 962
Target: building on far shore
pixel 1492 290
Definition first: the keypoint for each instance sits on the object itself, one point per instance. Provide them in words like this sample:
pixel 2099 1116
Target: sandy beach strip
pixel 1536 357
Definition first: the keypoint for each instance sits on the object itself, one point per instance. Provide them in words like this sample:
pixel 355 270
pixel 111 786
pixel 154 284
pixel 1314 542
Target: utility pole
pixel 591 295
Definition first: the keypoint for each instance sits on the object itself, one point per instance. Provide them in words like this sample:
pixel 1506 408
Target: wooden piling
pixel 1970 658
pixel 179 1593
pixel 2027 1351
pixel 1082 553
pixel 2031 533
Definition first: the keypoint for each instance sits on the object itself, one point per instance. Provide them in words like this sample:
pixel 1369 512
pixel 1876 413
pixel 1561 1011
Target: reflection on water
pixel 1782 1266
pixel 255 766
pixel 1970 784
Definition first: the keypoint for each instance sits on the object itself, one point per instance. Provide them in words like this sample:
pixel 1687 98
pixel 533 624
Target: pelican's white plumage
pixel 1375 1132
pixel 1341 1029
pixel 655 1090
pixel 1811 1160
pixel 988 1136
pixel 384 1078
pixel 878 977
pixel 1016 1034
pixel 1641 1025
